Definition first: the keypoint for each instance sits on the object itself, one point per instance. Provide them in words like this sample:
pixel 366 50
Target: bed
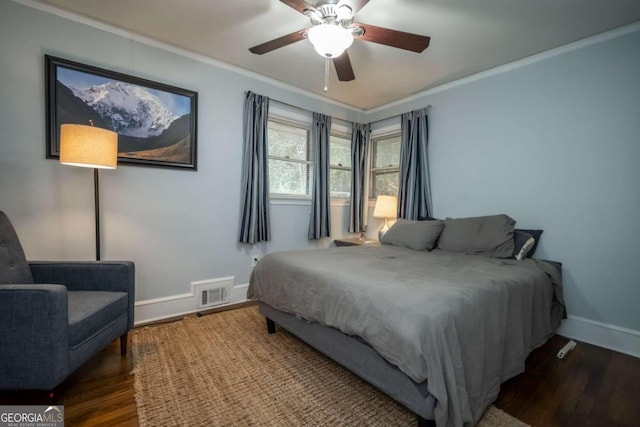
pixel 437 330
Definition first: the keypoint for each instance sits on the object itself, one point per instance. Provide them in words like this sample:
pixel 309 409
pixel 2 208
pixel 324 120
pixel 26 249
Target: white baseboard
pixel 157 309
pixel 601 334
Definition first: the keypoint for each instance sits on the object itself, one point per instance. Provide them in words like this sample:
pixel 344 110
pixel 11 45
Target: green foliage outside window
pixel 289 159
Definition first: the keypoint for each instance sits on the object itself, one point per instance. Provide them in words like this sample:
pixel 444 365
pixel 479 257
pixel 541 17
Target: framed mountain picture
pixel 155 123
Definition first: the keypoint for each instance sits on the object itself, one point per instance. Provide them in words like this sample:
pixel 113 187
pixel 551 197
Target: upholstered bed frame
pixel 359 358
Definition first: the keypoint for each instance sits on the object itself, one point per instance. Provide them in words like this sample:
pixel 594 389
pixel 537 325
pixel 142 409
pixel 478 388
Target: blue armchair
pixel 55 315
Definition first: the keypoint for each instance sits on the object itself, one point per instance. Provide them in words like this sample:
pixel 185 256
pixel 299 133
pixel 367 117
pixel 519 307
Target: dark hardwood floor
pixel 592 386
pixel 99 393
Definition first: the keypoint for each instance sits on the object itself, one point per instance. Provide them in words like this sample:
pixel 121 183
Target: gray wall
pixel 178 226
pixel 556 145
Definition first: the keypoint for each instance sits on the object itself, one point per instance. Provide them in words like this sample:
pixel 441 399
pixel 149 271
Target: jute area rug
pixel 223 369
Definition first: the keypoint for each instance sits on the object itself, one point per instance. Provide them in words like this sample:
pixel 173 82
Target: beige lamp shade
pixel 88 146
pixel 386 207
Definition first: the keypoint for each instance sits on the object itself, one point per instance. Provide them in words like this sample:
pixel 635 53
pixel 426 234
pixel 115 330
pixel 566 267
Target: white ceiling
pixel 467 36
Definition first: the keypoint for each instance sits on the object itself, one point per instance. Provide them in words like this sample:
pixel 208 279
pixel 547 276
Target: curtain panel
pixel 414 192
pixel 360 134
pixel 320 222
pixel 254 223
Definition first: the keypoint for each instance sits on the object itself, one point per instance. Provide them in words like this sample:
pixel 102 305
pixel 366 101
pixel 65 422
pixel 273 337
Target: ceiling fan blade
pixel 278 43
pixel 355 5
pixel 299 5
pixel 393 38
pixel 344 68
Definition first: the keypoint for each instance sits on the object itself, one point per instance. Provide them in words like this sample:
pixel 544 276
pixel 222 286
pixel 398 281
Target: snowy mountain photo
pixel 129 109
pixel 154 126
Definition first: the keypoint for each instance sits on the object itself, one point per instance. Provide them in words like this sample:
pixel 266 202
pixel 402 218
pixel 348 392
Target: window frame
pixel 373 170
pixel 284 121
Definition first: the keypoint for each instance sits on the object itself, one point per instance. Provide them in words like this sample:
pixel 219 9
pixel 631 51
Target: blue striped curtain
pixel 414 192
pixel 320 222
pixel 359 151
pixel 254 224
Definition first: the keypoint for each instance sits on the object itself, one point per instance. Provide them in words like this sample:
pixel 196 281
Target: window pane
pixel 288 177
pixel 387 152
pixel 386 183
pixel 287 141
pixel 340 151
pixel 340 182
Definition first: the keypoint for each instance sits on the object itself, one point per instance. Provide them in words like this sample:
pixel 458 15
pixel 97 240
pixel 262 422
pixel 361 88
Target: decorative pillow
pixel 417 235
pixel 523 243
pixel 483 235
pixel 520 237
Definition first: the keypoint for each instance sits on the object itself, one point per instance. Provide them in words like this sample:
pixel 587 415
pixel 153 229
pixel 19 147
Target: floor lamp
pixel 90 147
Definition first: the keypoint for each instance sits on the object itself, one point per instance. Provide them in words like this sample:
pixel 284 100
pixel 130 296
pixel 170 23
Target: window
pixel 291 163
pixel 289 158
pixel 385 165
pixel 340 165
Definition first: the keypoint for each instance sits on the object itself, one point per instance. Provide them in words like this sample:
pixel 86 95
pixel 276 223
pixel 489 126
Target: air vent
pixel 213 296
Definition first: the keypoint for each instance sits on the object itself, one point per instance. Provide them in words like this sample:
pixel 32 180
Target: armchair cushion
pixel 13 264
pixel 92 311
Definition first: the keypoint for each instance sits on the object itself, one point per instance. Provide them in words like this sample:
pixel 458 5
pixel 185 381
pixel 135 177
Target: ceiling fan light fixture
pixel 330 40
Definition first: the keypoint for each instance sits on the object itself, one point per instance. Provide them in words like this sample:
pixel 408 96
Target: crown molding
pixel 598 38
pixel 178 51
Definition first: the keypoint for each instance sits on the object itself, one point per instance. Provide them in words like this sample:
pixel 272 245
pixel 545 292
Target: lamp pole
pixel 96 195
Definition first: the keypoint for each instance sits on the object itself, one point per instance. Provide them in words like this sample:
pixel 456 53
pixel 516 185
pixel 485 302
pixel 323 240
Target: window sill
pixel 305 201
pixel 290 200
pixel 340 201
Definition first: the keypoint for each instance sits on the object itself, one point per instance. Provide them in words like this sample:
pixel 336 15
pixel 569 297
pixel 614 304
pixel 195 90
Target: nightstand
pixel 355 241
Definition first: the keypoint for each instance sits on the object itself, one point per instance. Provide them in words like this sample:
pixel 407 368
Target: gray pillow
pixel 417 235
pixel 483 235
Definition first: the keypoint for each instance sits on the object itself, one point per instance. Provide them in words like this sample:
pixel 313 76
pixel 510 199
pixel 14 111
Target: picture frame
pixel 155 122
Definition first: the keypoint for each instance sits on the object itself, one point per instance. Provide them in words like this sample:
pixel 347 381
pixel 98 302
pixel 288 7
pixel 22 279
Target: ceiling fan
pixel 333 30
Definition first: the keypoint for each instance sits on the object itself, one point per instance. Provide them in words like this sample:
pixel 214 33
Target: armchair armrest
pixel 34 350
pixel 114 276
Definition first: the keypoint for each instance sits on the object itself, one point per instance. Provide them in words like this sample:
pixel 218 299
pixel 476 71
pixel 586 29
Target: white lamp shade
pixel 330 40
pixel 386 207
pixel 88 146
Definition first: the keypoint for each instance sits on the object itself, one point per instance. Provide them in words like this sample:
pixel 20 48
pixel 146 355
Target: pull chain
pixel 326 74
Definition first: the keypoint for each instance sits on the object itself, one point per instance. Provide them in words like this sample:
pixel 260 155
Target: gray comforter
pixel 466 323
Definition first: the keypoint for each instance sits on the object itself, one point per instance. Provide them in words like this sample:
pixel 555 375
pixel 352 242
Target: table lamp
pixel 386 207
